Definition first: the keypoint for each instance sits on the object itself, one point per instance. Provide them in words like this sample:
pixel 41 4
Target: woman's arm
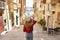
pixel 34 22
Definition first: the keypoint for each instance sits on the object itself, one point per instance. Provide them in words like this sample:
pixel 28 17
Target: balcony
pixel 58 1
pixel 53 2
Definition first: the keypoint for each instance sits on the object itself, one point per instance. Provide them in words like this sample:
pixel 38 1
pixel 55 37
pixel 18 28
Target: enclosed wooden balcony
pixel 43 1
pixel 1 11
pixel 58 1
pixel 53 2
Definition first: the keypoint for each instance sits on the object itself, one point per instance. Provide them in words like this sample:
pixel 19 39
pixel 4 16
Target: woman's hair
pixel 29 21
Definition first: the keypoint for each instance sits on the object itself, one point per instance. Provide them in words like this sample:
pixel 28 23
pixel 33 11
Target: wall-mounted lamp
pixel 53 12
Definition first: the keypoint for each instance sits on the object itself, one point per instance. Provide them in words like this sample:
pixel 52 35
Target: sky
pixel 29 3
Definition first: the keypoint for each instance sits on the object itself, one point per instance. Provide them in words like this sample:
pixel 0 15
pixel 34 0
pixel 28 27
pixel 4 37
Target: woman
pixel 28 28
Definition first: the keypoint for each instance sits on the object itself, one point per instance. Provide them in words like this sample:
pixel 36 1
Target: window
pixel 33 6
pixel 5 20
pixel 38 5
pixel 44 10
pixel 15 6
pixel 16 20
pixel 2 5
pixel 48 7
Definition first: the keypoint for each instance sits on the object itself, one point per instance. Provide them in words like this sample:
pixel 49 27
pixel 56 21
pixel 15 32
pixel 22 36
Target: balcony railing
pixel 2 4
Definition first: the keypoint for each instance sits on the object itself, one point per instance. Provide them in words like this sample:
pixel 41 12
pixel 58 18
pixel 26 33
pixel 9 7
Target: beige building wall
pixel 11 10
pixel 22 11
pixel 54 7
pixel 12 7
pixel 38 11
pixel 52 17
pixel 57 15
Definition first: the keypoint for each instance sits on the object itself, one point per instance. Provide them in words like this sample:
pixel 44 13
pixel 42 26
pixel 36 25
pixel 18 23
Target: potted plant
pixel 42 22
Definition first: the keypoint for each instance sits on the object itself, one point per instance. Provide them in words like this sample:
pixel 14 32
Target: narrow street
pixel 16 12
pixel 18 34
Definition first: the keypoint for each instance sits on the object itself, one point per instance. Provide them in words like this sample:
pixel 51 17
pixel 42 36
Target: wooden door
pixel 58 16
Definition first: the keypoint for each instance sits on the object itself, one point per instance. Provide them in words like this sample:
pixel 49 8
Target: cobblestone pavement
pixel 18 34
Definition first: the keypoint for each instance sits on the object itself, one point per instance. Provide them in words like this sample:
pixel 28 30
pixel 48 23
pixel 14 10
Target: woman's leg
pixel 29 36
